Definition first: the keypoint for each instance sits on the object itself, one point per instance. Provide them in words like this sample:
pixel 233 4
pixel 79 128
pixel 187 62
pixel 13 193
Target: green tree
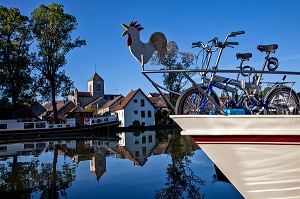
pixel 52 29
pixel 15 39
pixel 181 181
pixel 174 60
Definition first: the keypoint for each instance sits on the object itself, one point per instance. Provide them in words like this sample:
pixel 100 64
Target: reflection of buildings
pixel 95 151
pixel 137 147
pixel 98 162
pixel 33 148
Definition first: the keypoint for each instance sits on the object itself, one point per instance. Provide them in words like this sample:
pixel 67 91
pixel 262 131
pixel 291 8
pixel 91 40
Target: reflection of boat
pixel 11 127
pixel 240 128
pixel 219 176
pixel 259 170
pixel 259 154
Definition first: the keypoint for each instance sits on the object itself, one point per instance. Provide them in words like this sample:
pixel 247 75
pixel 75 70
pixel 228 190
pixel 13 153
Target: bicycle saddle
pixel 243 56
pixel 267 48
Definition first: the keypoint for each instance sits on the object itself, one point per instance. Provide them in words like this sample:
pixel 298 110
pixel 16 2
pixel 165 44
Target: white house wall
pixel 133 110
pixel 139 146
pixel 120 114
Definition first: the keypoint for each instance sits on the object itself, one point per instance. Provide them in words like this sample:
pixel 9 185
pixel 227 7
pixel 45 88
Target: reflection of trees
pixel 181 180
pixel 26 177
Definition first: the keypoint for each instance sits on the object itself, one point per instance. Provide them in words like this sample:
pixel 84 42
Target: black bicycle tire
pixel 182 99
pixel 287 90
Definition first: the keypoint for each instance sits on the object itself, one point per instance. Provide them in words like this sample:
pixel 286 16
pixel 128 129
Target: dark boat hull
pixel 56 132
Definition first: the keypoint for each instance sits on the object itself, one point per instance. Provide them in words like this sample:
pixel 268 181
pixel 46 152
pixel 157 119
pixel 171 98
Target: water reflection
pixel 57 168
pixel 137 146
pixel 181 180
pixel 18 173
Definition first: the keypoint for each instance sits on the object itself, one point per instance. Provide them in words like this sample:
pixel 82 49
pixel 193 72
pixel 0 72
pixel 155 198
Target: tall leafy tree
pixel 52 29
pixel 15 39
pixel 174 60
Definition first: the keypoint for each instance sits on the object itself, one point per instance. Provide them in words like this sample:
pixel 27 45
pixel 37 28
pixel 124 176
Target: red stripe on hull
pixel 247 139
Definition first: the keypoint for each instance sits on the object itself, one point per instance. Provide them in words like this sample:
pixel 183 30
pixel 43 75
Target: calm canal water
pixel 132 165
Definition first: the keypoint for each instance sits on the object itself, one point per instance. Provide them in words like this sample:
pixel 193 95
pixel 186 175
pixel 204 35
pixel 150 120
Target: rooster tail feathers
pixel 159 42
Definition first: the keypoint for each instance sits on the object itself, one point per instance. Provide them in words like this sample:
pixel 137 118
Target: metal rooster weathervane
pixel 144 51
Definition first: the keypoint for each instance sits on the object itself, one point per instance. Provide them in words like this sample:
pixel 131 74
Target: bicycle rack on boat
pixel 159 88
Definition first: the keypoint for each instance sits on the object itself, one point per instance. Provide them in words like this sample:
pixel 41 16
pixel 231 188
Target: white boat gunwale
pixel 200 125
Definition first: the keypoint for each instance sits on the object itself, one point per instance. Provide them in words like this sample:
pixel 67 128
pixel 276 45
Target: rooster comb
pixel 137 26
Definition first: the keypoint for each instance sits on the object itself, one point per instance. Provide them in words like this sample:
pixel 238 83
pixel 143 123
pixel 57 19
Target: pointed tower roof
pixel 95 77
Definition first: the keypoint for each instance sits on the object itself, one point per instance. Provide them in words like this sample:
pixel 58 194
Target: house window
pixel 3 126
pixel 135 100
pixel 149 114
pixel 136 141
pixel 150 138
pixel 143 139
pixel 142 102
pixel 137 154
pixel 40 145
pixel 143 123
pixel 28 146
pixel 40 125
pixel 3 148
pixel 144 151
pixel 142 113
pixel 135 112
pixel 28 125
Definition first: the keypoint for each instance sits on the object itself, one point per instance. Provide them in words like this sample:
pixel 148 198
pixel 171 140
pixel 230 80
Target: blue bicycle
pixel 202 99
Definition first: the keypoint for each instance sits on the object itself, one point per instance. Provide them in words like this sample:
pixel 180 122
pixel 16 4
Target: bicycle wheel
pixel 282 101
pixel 192 102
pixel 251 104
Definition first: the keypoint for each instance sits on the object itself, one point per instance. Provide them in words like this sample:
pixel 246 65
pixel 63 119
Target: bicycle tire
pixel 185 106
pixel 245 102
pixel 285 99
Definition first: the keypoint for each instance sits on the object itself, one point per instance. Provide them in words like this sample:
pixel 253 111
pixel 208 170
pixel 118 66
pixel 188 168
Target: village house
pixel 135 106
pixel 110 105
pixel 94 96
pixel 158 101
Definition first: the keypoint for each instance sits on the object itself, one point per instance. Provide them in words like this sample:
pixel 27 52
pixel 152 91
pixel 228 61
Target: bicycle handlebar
pixel 233 34
pixel 223 45
pixel 232 43
pixel 198 43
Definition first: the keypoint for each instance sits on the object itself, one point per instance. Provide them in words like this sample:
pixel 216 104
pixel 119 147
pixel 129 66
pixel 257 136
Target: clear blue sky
pixel 182 21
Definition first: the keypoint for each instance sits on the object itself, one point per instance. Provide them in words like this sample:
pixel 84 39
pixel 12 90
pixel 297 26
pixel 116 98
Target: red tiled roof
pixel 158 102
pixel 124 101
pixel 111 102
pixel 77 109
pixel 59 105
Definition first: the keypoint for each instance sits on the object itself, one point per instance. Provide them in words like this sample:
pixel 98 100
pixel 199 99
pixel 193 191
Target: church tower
pixel 96 86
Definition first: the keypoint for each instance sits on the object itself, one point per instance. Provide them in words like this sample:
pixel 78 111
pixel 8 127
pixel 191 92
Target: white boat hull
pixel 259 170
pixel 259 154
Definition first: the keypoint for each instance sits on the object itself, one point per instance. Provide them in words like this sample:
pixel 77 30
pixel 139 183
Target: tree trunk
pixel 54 103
